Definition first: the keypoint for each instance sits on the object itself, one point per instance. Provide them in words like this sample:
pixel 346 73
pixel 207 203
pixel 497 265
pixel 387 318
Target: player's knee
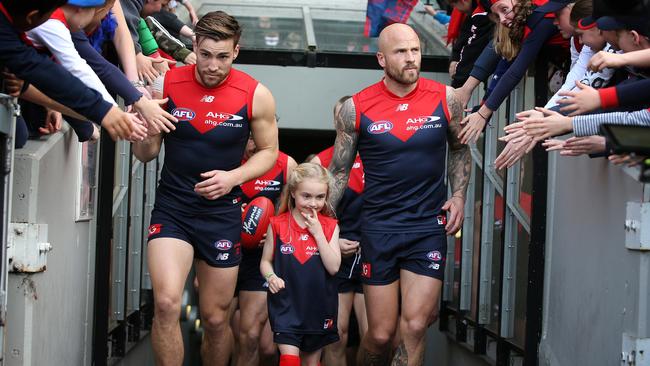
pixel 416 327
pixel 379 337
pixel 215 322
pixel 267 350
pixel 167 308
pixel 249 338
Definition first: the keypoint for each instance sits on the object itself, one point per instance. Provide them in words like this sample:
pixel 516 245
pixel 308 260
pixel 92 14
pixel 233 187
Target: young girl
pixel 301 256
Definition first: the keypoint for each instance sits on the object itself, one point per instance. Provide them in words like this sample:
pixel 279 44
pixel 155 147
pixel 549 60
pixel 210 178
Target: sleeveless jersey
pixel 349 208
pixel 269 184
pixel 309 302
pixel 211 134
pixel 402 143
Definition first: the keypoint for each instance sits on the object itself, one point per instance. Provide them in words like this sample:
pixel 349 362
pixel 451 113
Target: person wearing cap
pixel 631 94
pixel 57 88
pixel 522 45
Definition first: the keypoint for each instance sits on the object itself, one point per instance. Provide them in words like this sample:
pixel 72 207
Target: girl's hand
pixel 313 225
pixel 473 126
pixel 275 283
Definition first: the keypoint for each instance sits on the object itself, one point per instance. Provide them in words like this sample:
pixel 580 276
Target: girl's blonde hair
pixel 301 173
pixel 507 41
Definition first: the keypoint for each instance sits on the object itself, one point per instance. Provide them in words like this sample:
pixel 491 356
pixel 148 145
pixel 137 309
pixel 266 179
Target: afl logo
pixel 183 114
pixel 434 256
pixel 380 127
pixel 286 249
pixel 223 244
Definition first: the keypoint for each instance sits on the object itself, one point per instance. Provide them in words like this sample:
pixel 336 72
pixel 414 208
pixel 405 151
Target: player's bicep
pixel 263 125
pixel 455 108
pixel 345 146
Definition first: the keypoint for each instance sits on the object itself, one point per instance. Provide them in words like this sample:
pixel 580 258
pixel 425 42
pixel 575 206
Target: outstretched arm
pixel 459 165
pixel 345 150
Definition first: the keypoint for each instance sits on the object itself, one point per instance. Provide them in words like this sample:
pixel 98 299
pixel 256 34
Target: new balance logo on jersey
pixel 402 107
pixel 304 237
pixel 223 256
pixel 207 99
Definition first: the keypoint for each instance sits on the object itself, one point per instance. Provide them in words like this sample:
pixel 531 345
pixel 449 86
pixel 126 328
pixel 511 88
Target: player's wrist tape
pixel 269 275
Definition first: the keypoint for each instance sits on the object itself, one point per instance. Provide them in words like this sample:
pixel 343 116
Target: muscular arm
pixel 459 161
pixel 265 134
pixel 147 149
pixel 345 150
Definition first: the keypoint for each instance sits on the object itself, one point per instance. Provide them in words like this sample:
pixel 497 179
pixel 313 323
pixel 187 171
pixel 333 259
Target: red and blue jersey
pixel 402 143
pixel 211 134
pixel 269 184
pixel 349 209
pixel 309 302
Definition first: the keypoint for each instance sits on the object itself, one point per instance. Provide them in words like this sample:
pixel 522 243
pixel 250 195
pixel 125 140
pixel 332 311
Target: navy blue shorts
pixel 349 275
pixel 215 238
pixel 384 254
pixel 250 278
pixel 306 342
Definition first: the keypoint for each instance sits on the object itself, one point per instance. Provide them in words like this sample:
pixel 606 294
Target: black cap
pixel 553 6
pixel 635 23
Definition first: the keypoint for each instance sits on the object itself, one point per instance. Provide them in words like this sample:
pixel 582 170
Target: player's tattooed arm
pixel 345 150
pixel 460 161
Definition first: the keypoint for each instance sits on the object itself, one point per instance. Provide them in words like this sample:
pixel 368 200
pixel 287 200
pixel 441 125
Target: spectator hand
pixel 553 144
pixel 139 128
pixel 455 208
pixel 161 64
pixel 626 159
pixel 604 59
pixel 551 124
pixel 13 85
pixel 117 123
pixel 216 184
pixel 53 120
pixel 190 59
pixel 348 247
pixel 158 120
pixel 576 146
pixel 474 124
pixel 584 100
pixel 515 149
pixel 146 71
